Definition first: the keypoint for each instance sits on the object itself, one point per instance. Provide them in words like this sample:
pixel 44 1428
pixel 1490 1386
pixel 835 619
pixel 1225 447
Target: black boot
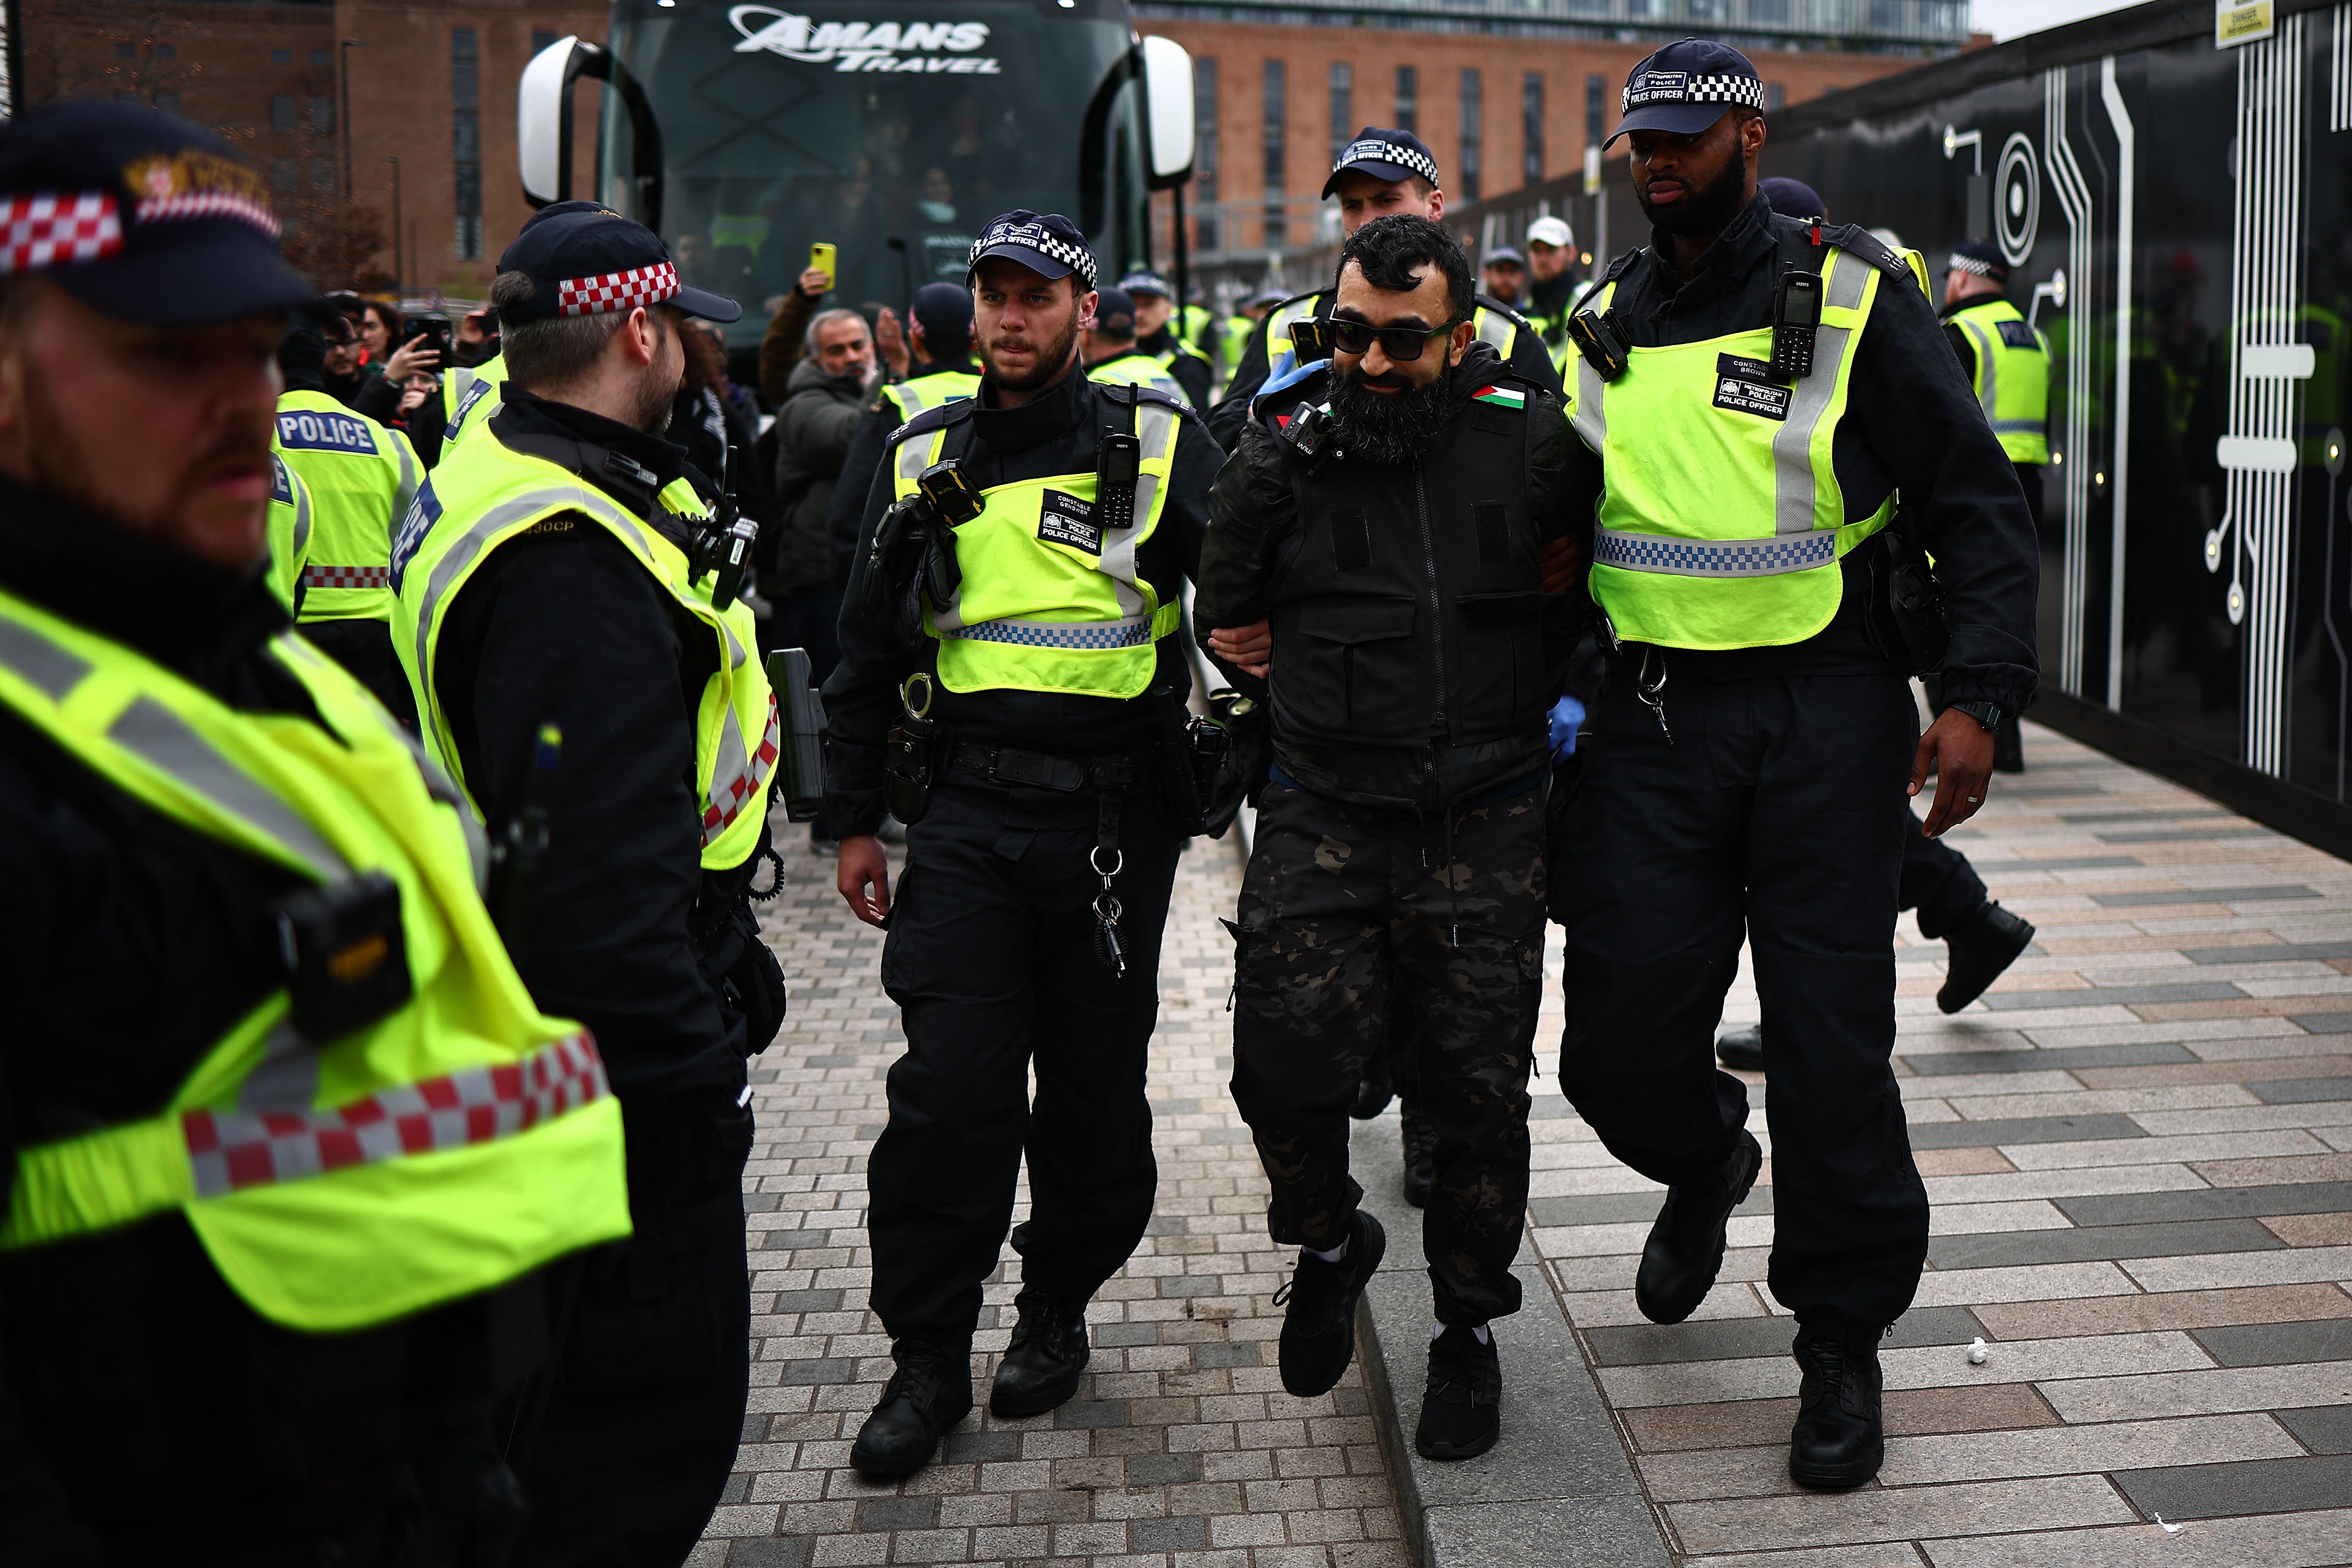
pixel 1374 1090
pixel 1318 1330
pixel 1978 947
pixel 1462 1413
pixel 929 1392
pixel 1838 1437
pixel 1742 1050
pixel 1042 1365
pixel 1420 1135
pixel 1684 1251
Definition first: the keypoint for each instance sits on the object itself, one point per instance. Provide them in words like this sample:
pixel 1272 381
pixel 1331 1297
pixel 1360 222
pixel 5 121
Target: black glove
pixel 753 984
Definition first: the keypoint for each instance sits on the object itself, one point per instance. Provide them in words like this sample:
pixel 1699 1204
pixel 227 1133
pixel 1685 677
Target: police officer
pixel 1156 334
pixel 1241 325
pixel 2004 358
pixel 552 576
pixel 1387 514
pixel 1009 681
pixel 360 476
pixel 470 394
pixel 1551 282
pixel 1754 391
pixel 1379 172
pixel 1111 351
pixel 939 369
pixel 243 950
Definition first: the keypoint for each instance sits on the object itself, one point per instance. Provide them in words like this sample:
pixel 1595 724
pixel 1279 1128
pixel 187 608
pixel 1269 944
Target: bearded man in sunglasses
pixel 1376 553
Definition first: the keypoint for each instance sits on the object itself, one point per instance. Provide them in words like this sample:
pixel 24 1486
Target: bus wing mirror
pixel 1168 111
pixel 543 120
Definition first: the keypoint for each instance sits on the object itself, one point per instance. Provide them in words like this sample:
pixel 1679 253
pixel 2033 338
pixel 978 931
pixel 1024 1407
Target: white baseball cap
pixel 1551 231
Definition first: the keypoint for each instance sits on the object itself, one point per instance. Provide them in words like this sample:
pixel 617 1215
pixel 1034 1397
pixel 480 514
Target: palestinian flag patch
pixel 1502 397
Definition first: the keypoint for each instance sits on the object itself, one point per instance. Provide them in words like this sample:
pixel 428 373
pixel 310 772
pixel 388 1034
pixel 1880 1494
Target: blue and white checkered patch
pixel 1051 634
pixel 1716 558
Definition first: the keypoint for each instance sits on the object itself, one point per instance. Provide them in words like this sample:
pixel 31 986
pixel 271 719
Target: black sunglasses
pixel 1403 344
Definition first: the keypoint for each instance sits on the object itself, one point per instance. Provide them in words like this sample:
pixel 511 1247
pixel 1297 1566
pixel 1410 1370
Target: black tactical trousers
pixel 1938 880
pixel 991 958
pixel 1777 811
pixel 1352 916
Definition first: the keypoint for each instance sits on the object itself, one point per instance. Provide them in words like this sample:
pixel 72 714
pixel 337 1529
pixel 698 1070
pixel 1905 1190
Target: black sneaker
pixel 1839 1438
pixel 1742 1050
pixel 1374 1090
pixel 1319 1331
pixel 929 1392
pixel 1420 1134
pixel 1978 947
pixel 1042 1365
pixel 1462 1413
pixel 1684 1251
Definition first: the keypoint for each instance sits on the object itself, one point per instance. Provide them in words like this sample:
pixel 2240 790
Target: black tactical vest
pixel 1405 606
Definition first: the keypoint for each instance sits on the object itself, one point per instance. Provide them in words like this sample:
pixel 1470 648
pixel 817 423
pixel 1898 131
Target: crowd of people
pixel 388 745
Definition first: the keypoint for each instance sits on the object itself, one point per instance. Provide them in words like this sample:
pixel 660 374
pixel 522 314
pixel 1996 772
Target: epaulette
pixel 932 418
pixel 1488 302
pixel 1615 270
pixel 1853 237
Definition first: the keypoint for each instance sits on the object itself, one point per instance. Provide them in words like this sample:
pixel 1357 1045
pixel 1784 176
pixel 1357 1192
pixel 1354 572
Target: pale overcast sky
pixel 2008 18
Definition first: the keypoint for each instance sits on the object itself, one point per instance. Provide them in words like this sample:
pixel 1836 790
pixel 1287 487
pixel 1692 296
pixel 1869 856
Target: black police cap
pixel 942 308
pixel 1981 257
pixel 141 217
pixel 1384 154
pixel 595 262
pixel 1686 87
pixel 1047 244
pixel 1115 313
pixel 1791 198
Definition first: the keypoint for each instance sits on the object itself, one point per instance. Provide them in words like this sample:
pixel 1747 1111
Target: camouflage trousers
pixel 1349 915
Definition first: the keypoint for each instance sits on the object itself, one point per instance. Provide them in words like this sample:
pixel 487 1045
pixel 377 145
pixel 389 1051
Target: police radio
pixel 1796 315
pixel 727 550
pixel 1119 468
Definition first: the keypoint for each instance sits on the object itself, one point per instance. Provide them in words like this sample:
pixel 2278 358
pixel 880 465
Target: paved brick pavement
pixel 2139 1147
pixel 1181 1449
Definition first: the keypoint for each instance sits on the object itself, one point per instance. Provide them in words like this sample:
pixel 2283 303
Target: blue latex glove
pixel 1566 714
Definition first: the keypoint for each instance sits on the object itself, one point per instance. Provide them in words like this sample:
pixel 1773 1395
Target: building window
pixel 321 57
pixel 1343 107
pixel 1596 109
pixel 281 57
pixel 283 173
pixel 1474 107
pixel 323 174
pixel 1210 233
pixel 126 51
pixel 322 115
pixel 1408 109
pixel 1776 95
pixel 465 139
pixel 1274 94
pixel 1531 127
pixel 167 52
pixel 281 111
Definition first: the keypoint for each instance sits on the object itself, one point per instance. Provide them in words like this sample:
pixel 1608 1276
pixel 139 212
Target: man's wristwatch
pixel 1986 714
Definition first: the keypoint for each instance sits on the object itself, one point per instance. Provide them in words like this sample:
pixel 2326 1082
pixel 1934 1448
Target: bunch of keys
pixel 1106 913
pixel 1652 693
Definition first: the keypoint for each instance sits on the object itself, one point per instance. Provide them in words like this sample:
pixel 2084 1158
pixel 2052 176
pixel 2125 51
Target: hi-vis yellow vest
pixel 484 494
pixel 1137 369
pixel 2013 382
pixel 360 476
pixel 1721 524
pixel 916 393
pixel 470 395
pixel 1051 600
pixel 454 1144
pixel 288 526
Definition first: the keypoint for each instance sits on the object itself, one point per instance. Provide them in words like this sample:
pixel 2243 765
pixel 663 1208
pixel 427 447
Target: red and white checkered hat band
pixel 617 290
pixel 209 205
pixel 38 231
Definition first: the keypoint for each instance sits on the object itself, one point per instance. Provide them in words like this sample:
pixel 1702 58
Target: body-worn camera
pixel 345 957
pixel 1601 338
pixel 954 499
pixel 1310 339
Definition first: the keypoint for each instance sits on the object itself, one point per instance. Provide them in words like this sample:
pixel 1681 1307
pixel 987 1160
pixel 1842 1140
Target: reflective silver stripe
pixel 915 455
pixel 157 736
pixel 1592 421
pixel 1713 558
pixel 1155 430
pixel 408 476
pixel 301 509
pixel 287 1079
pixel 1793 490
pixel 52 670
pixel 1987 372
pixel 1280 361
pixel 736 778
pixel 910 402
pixel 1497 328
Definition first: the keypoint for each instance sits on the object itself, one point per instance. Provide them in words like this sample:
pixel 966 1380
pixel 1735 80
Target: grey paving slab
pixel 2324 1429
pixel 2110 995
pixel 2149 1396
pixel 2204 896
pixel 2112 1242
pixel 2179 835
pixel 2299 1090
pixel 2278 1344
pixel 2314 1539
pixel 1905 1514
pixel 1652 1345
pixel 1574 1532
pixel 2059 862
pixel 2267 952
pixel 2207 1203
pixel 2089 818
pixel 1991 1132
pixel 2255 1486
pixel 1633 1208
pixel 2323 1023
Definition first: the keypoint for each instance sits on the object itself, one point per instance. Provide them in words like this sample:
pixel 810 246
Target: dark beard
pixel 1388 427
pixel 1053 359
pixel 1707 209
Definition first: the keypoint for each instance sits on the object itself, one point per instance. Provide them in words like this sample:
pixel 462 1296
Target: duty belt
pixel 1045 771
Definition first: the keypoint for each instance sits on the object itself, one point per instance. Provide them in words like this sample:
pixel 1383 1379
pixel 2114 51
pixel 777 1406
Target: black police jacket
pixel 1414 656
pixel 1529 362
pixel 1054 433
pixel 563 625
pixel 128 945
pixel 1912 423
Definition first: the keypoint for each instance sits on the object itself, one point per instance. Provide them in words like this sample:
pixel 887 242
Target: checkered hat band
pixel 1748 90
pixel 612 291
pixel 209 205
pixel 1401 156
pixel 1970 264
pixel 38 231
pixel 1076 258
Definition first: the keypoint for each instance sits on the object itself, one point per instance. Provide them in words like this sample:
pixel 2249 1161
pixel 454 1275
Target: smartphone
pixel 822 256
pixel 434 333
